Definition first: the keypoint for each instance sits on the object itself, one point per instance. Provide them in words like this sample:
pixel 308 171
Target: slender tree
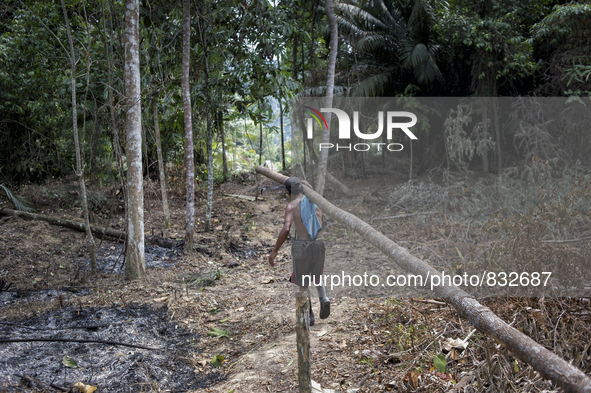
pixel 165 207
pixel 189 160
pixel 209 133
pixel 79 166
pixel 135 264
pixel 221 131
pixel 332 59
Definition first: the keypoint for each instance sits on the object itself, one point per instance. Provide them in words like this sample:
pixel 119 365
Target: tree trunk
pixel 497 127
pixel 116 143
pixel 261 142
pixel 209 207
pixel 135 265
pixel 547 363
pixel 189 163
pixel 332 59
pixel 221 131
pixel 294 60
pixel 485 129
pixel 79 166
pixel 411 160
pixel 331 179
pixel 311 53
pixel 165 207
pixel 282 136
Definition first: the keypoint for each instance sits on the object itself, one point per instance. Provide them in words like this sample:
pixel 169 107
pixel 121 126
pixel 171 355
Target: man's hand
pixel 272 258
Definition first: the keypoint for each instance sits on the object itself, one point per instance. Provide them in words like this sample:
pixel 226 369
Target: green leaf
pixel 516 366
pixel 69 362
pixel 439 361
pixel 217 361
pixel 19 203
pixel 215 310
pixel 215 332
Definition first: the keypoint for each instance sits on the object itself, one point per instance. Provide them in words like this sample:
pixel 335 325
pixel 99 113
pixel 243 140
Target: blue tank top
pixel 309 217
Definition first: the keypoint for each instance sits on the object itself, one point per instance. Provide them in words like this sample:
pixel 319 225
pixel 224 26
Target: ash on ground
pixel 113 368
pixel 8 298
pixel 110 257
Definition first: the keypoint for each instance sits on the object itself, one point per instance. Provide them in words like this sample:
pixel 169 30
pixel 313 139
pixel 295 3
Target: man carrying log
pixel 307 248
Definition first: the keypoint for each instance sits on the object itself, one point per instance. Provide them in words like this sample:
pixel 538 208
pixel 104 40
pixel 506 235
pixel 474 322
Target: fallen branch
pixel 429 301
pixel 90 327
pixel 566 241
pixel 339 186
pixel 400 216
pixel 71 340
pixel 246 197
pixel 547 363
pixel 79 226
pixel 32 381
pixel 466 379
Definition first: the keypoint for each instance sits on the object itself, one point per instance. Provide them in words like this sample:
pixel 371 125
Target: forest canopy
pixel 258 54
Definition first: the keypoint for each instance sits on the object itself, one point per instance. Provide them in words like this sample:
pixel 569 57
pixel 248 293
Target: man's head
pixel 294 186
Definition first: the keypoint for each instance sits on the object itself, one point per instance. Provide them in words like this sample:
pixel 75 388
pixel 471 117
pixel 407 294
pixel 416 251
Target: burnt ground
pixel 372 341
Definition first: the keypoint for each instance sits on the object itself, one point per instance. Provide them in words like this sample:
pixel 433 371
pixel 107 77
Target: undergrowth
pixel 512 193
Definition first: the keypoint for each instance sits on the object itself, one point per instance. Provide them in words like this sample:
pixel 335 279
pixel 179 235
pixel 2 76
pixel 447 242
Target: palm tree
pixel 391 44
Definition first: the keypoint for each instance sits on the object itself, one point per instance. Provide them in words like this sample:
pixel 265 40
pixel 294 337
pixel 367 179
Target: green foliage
pixel 391 43
pixel 492 38
pixel 69 362
pixel 215 332
pixel 217 360
pixel 461 146
pixel 19 203
pixel 562 37
pixel 439 362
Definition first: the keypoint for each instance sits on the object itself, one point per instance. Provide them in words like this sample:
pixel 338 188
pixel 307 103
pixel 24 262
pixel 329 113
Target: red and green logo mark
pixel 316 115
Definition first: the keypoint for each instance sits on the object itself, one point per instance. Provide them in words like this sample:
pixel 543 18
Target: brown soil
pixel 376 343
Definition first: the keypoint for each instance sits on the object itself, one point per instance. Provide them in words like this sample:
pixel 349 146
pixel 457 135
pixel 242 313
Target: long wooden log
pixel 79 226
pixel 547 363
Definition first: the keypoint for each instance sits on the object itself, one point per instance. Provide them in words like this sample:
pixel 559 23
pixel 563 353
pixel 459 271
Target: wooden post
pixel 303 341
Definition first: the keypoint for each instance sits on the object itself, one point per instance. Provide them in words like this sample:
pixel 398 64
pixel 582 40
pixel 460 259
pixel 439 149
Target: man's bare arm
pixel 282 235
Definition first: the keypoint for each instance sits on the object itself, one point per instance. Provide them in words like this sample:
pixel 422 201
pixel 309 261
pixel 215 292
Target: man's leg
pixel 305 289
pixel 324 302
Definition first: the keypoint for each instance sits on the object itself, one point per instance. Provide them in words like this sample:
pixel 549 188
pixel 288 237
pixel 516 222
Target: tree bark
pixel 135 265
pixel 485 128
pixel 331 179
pixel 332 59
pixel 79 166
pixel 189 160
pixel 116 143
pixel 165 207
pixel 260 141
pixel 547 363
pixel 209 207
pixel 303 342
pixel 282 136
pixel 221 131
pixel 495 115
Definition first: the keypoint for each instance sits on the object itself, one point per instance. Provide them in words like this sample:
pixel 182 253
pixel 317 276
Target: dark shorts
pixel 311 265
